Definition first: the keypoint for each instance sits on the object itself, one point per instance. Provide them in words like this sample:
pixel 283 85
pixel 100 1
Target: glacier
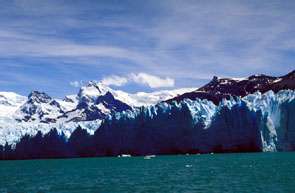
pixel 256 122
pixel 12 131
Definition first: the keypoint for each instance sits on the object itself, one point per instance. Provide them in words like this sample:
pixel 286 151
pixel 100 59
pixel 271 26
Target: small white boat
pixel 149 156
pixel 125 155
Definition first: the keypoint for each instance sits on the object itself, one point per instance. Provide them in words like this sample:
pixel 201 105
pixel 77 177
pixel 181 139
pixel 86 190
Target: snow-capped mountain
pixel 39 107
pixel 94 101
pixel 220 88
pixel 93 89
pixel 21 115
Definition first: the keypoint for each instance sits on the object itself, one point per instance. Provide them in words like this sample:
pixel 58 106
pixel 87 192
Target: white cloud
pixel 114 80
pixel 151 80
pixel 142 78
pixel 76 83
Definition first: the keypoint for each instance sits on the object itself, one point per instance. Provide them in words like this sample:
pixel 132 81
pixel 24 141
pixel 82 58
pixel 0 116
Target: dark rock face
pixel 111 103
pixel 219 88
pixel 39 97
pixel 91 110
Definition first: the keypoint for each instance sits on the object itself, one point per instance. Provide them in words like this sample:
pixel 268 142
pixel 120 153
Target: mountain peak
pixel 100 86
pixel 93 89
pixel 39 97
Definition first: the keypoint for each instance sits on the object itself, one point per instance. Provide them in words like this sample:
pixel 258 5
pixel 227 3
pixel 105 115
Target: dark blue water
pixel 256 172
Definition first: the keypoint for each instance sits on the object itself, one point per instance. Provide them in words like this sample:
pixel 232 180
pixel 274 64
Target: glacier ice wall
pixel 12 131
pixel 257 122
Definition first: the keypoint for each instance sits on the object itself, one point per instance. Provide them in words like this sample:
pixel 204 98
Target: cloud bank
pixel 141 78
pixel 114 80
pixel 151 80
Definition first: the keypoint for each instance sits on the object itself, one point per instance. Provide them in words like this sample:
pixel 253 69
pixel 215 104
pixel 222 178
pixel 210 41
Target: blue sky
pixel 57 45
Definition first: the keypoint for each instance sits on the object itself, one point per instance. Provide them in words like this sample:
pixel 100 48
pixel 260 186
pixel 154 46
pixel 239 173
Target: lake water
pixel 249 173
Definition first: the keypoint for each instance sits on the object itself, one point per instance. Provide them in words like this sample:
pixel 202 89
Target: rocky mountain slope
pixel 219 88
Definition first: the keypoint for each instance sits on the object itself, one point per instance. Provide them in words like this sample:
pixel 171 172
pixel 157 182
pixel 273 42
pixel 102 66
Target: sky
pixel 56 46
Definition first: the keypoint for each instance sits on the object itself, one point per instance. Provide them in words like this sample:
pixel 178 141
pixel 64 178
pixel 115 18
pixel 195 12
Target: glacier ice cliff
pixel 257 122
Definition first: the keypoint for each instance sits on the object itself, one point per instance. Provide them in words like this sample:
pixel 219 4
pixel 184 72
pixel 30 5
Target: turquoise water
pixel 255 172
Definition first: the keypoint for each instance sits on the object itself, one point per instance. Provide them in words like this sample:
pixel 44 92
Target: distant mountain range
pixel 94 102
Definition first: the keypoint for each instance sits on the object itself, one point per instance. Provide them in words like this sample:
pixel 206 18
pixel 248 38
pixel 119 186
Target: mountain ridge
pixel 93 101
pixel 220 88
